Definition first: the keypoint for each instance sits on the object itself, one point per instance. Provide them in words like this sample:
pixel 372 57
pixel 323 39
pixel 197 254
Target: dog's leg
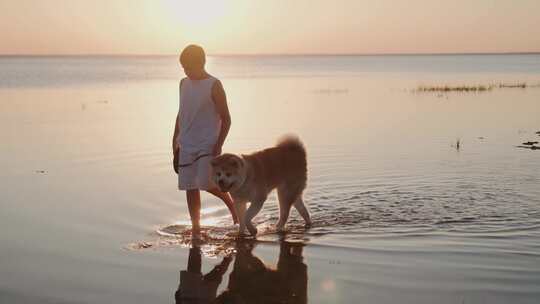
pixel 285 203
pixel 252 211
pixel 240 212
pixel 301 208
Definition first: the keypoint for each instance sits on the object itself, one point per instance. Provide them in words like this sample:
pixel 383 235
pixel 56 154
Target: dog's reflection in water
pixel 250 281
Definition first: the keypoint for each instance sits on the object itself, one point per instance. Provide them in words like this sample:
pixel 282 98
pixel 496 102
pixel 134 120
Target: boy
pixel 195 287
pixel 202 124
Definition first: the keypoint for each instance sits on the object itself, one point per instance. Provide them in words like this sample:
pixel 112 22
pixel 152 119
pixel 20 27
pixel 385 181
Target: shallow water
pixel 90 212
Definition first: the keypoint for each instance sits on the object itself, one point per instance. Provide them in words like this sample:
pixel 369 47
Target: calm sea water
pixel 400 214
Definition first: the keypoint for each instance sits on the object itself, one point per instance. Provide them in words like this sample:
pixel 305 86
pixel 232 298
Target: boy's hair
pixel 193 56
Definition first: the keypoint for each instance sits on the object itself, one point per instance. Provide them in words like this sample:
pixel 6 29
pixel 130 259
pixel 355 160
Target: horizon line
pixel 270 54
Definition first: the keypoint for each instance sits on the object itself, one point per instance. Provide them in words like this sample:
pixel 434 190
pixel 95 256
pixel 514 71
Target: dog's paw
pixel 252 231
pixel 241 235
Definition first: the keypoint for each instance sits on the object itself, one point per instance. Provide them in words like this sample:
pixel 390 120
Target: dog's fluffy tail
pixel 292 142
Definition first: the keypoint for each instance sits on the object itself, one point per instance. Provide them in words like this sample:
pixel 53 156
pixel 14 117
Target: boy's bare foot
pixel 196 239
pixel 196 233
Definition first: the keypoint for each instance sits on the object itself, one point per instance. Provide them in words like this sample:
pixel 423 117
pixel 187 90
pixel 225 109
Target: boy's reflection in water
pixel 250 281
pixel 196 288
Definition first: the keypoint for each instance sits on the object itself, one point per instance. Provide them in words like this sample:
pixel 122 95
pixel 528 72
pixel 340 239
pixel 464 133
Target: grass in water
pixel 446 88
pixel 473 88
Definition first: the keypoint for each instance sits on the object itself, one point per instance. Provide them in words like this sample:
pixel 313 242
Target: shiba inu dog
pixel 250 178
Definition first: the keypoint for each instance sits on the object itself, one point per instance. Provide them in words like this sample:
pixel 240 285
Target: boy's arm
pixel 220 100
pixel 177 121
pixel 176 129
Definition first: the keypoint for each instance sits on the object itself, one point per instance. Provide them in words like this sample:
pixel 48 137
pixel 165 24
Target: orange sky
pixel 268 26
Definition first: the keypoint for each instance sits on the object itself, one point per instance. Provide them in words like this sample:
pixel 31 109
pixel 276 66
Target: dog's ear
pixel 214 162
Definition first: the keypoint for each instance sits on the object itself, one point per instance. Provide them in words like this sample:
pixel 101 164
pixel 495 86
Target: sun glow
pixel 197 19
pixel 197 13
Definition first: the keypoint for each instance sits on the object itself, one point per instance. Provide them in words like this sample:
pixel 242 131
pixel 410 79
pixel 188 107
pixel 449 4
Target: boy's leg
pixel 226 198
pixel 194 206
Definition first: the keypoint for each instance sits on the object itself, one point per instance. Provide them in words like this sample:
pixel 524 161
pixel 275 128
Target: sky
pixel 269 26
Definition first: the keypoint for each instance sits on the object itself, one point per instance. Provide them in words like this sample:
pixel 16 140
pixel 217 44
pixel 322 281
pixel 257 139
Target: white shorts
pixel 196 175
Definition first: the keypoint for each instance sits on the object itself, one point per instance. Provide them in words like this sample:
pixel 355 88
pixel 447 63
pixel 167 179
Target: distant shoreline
pixel 274 55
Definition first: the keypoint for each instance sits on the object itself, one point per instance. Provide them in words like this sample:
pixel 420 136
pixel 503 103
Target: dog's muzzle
pixel 223 186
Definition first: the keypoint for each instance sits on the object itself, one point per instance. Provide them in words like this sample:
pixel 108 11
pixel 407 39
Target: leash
pixel 196 159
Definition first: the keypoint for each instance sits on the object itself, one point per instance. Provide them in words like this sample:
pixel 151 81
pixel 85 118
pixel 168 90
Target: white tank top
pixel 200 123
